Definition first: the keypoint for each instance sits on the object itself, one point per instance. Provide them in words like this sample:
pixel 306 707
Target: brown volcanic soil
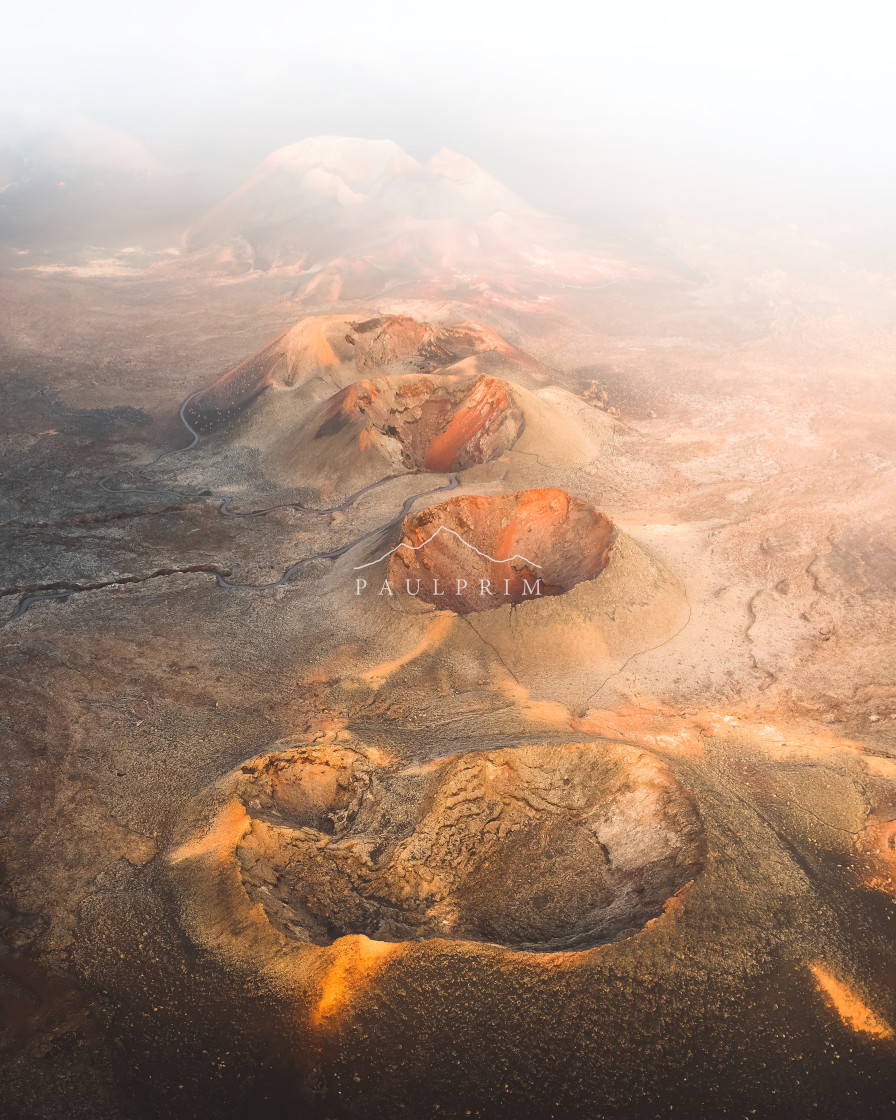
pixel 536 847
pixel 546 535
pixel 765 480
pixel 440 424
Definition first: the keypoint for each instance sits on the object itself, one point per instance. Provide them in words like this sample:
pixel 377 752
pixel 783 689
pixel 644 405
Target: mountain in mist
pixel 39 142
pixel 68 181
pixel 351 218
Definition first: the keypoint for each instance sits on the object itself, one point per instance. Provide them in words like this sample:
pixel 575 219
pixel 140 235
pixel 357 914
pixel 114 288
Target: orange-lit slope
pixel 540 535
pixel 344 350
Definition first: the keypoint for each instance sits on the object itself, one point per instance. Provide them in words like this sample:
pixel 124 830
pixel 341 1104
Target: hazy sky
pixel 577 106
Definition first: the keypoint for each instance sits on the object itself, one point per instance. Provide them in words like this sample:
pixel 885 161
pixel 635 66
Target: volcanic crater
pixel 429 423
pixel 344 348
pixel 476 553
pixel 535 847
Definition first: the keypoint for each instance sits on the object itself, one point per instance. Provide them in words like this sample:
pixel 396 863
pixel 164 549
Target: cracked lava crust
pixel 537 847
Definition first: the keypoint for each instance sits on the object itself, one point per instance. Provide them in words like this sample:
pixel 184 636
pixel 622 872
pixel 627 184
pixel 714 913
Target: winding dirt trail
pixel 60 590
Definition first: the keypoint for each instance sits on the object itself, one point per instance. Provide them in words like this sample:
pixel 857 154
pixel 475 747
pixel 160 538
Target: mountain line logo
pixel 460 584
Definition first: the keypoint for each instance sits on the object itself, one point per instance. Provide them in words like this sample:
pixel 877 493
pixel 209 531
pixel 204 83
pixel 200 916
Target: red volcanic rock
pixel 444 423
pixel 335 345
pixel 384 339
pixel 475 553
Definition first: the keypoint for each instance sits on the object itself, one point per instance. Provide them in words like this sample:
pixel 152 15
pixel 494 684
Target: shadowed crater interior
pixel 537 847
pixel 431 423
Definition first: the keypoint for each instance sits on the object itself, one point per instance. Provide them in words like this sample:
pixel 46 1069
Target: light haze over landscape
pixel 598 110
pixel 448 561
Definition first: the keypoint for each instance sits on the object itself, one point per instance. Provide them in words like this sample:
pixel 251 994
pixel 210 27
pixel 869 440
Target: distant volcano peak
pixel 359 161
pixel 353 218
